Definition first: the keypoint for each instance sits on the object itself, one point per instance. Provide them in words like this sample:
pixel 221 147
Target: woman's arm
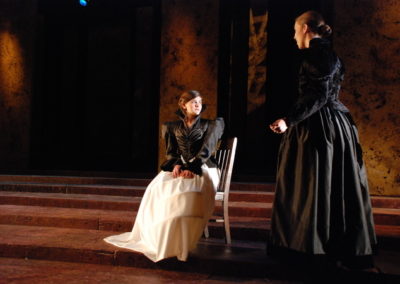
pixel 172 150
pixel 314 89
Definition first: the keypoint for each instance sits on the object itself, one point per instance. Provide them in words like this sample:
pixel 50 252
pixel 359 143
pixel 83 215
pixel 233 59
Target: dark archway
pixel 257 146
pixel 96 86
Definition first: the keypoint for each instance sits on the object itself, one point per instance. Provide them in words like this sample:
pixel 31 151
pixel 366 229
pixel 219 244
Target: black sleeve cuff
pixel 195 166
pixel 169 165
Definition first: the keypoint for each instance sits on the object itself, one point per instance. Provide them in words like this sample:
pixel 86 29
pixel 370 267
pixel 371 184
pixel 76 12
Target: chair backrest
pixel 225 157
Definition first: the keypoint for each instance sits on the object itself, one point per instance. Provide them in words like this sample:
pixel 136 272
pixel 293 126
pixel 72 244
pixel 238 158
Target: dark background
pixel 96 87
pixel 83 90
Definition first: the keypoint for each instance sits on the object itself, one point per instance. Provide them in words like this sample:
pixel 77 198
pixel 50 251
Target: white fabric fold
pixel 172 216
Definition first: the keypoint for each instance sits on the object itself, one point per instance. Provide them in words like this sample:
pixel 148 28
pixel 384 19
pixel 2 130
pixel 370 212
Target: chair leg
pixel 228 239
pixel 206 232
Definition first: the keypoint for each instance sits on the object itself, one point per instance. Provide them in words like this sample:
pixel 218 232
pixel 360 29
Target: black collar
pixel 317 42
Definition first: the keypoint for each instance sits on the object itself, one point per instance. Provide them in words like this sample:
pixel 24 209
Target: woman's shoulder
pixel 172 123
pixel 216 121
pixel 320 60
pixel 168 126
pixel 215 125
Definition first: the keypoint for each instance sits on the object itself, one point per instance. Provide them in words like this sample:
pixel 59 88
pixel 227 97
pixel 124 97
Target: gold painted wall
pixel 367 37
pixel 189 56
pixel 16 47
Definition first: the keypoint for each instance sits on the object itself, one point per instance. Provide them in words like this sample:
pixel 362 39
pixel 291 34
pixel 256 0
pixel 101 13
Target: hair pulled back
pixel 186 97
pixel 315 23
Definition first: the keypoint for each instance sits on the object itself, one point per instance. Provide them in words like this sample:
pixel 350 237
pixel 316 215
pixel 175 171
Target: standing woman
pixel 322 204
pixel 180 199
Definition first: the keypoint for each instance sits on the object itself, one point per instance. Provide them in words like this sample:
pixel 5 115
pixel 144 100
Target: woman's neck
pixel 189 120
pixel 310 37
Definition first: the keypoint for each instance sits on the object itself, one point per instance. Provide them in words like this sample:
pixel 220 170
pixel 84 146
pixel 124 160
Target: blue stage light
pixel 83 2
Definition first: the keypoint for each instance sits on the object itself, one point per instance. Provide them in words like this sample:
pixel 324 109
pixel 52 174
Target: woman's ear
pixel 305 28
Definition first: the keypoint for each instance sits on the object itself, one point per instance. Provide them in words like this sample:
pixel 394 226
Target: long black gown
pixel 322 204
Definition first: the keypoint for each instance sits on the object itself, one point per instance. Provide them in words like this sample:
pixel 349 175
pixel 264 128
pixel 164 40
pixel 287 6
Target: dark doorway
pixel 96 86
pixel 242 83
pixel 254 90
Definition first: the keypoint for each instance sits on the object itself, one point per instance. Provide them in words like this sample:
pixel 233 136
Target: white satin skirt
pixel 172 216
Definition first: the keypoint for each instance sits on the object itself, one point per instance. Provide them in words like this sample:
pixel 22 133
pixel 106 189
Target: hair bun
pixel 324 30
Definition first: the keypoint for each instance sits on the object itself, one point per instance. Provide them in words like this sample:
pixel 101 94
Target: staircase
pixel 65 218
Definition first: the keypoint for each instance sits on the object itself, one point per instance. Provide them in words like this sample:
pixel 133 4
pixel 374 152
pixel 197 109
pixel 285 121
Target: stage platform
pixel 55 224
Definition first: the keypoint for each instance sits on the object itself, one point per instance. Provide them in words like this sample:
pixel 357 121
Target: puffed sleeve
pixel 314 89
pixel 214 133
pixel 172 150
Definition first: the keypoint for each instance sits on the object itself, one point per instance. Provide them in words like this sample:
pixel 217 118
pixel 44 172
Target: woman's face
pixel 300 35
pixel 193 107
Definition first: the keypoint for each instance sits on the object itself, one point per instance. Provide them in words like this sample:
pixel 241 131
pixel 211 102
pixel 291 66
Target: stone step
pixel 252 192
pixel 66 218
pixel 98 189
pixel 77 180
pixel 119 190
pixel 385 202
pixel 130 190
pixel 83 201
pixel 90 201
pixel 212 256
pixel 91 219
pixel 13 180
pixel 87 246
pixel 122 203
pixel 384 216
pixel 242 228
pixel 28 271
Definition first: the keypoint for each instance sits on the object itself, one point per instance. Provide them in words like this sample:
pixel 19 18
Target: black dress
pixel 322 203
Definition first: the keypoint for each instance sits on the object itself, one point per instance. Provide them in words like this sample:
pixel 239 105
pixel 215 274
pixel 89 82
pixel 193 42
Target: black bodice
pixel 191 147
pixel 321 73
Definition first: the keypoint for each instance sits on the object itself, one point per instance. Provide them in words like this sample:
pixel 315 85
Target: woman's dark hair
pixel 187 96
pixel 315 23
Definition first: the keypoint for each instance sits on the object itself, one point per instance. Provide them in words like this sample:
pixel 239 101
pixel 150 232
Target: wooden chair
pixel 225 157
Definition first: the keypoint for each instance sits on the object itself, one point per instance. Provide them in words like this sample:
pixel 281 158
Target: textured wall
pixel 367 37
pixel 16 48
pixel 189 55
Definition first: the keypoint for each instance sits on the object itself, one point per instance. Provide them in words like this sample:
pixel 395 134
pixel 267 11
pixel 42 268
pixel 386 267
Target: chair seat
pixel 219 196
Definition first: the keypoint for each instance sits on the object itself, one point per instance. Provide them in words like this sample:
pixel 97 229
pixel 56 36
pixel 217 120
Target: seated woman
pixel 179 201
